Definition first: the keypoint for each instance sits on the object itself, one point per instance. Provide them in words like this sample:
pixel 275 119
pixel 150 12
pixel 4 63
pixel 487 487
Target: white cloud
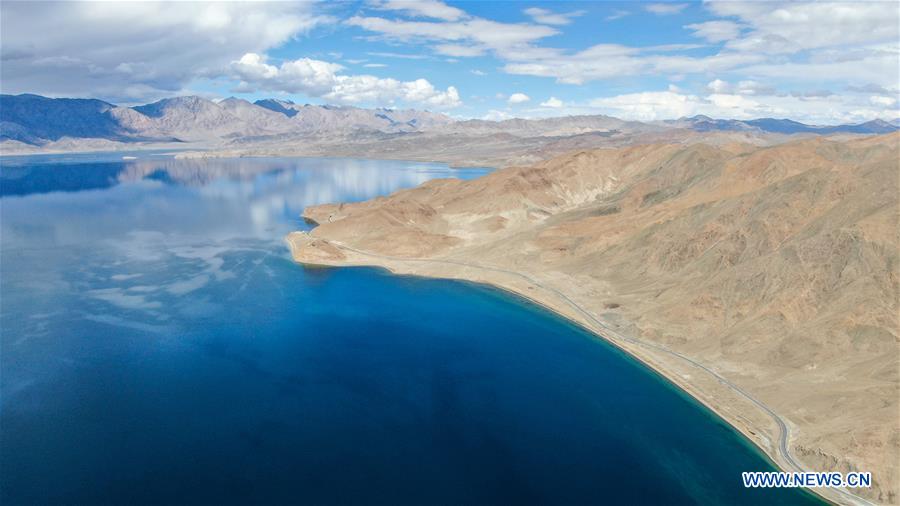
pixel 459 50
pixel 136 51
pixel 548 17
pixel 883 101
pixel 617 14
pixel 850 42
pixel 518 98
pixel 651 105
pixel 811 94
pixel 375 65
pixel 304 75
pixel 826 109
pixel 872 88
pixel 750 87
pixel 402 56
pixel 425 8
pixel 746 87
pixel 495 115
pixel 716 31
pixel 323 79
pixel 467 37
pixel 597 62
pixel 718 86
pixel 732 106
pixel 478 72
pixel 665 9
pixel 553 103
pixel 791 27
pixel 878 65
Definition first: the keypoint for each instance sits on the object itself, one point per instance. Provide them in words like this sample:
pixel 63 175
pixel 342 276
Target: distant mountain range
pixel 35 120
pixel 702 123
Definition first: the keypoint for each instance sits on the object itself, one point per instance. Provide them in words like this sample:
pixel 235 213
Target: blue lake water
pixel 157 345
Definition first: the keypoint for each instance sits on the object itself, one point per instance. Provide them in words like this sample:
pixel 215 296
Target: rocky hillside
pixel 33 119
pixel 776 266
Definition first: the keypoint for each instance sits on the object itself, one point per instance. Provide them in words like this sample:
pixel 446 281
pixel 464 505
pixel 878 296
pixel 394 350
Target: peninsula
pixel 761 280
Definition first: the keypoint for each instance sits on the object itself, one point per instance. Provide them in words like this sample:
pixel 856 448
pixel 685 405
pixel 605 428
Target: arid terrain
pixel 762 280
pixel 199 128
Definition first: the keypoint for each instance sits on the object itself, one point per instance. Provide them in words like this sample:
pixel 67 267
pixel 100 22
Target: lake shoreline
pixel 731 411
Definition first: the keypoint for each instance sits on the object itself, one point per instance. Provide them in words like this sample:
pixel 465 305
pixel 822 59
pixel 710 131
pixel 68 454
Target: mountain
pixel 192 118
pixel 32 119
pixel 876 126
pixel 37 121
pixel 551 127
pixel 285 107
pixel 777 267
pixel 71 124
pixel 257 118
pixel 312 118
pixel 701 123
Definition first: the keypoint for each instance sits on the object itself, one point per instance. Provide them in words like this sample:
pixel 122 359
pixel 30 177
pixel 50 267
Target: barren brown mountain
pixel 764 281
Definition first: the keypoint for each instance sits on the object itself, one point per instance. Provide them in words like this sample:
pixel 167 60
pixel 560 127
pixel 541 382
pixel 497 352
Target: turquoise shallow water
pixel 159 346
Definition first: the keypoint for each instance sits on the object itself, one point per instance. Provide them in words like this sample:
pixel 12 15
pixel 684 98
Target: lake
pixel 159 346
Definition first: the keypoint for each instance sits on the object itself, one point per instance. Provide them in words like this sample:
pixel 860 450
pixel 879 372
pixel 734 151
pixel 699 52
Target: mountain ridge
pixel 38 121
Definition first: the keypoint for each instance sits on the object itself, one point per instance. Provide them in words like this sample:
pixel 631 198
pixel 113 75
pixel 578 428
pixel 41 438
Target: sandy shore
pixel 748 415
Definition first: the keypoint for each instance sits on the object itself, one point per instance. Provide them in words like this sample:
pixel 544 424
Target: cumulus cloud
pixel 553 103
pixel 718 86
pixel 548 17
pixel 136 51
pixel 495 115
pixel 323 79
pixel 518 98
pixel 645 106
pixel 304 75
pixel 658 105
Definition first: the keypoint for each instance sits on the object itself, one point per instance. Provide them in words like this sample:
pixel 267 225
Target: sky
pixel 817 62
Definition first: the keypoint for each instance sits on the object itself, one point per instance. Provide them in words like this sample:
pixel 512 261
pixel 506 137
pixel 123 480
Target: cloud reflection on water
pixel 140 243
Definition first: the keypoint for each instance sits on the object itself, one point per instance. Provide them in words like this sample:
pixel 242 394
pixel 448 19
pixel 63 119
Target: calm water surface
pixel 159 346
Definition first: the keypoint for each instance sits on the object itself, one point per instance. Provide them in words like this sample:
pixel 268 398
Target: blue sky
pixel 816 62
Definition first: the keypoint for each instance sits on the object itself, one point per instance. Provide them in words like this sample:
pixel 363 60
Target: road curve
pixel 602 329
